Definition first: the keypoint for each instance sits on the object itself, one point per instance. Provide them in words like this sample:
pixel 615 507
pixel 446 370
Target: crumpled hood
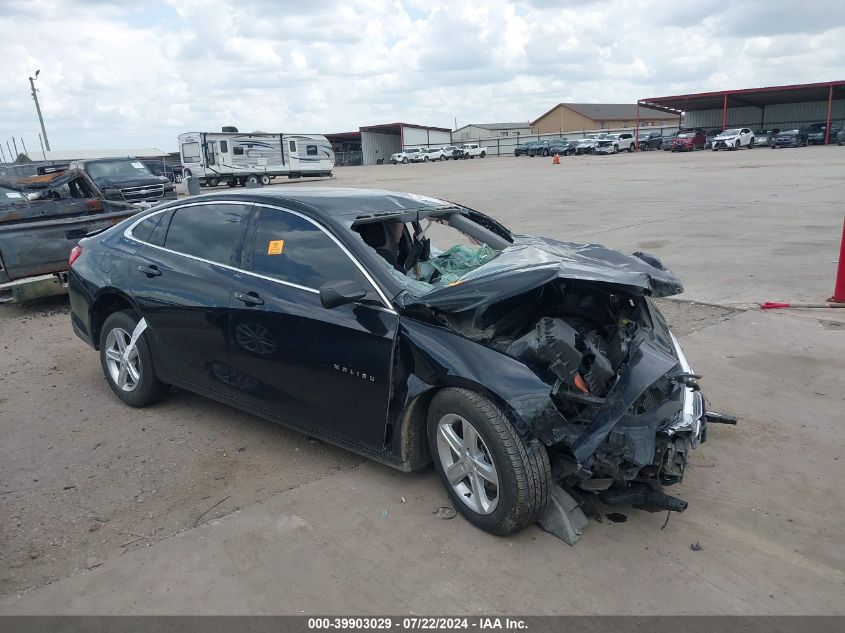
pixel 532 262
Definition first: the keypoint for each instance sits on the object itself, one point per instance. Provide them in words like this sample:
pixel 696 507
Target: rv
pixel 236 159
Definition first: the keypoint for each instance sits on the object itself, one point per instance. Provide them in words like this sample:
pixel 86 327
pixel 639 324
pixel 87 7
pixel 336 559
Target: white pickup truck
pixel 473 150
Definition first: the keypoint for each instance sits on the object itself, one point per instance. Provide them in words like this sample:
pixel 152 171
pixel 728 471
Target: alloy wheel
pixel 124 369
pixel 467 463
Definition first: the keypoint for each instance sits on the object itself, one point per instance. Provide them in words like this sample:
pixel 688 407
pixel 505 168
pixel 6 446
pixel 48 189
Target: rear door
pixel 325 369
pixel 181 279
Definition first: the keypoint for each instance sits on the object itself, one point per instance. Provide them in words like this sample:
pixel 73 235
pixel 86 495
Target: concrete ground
pixel 193 507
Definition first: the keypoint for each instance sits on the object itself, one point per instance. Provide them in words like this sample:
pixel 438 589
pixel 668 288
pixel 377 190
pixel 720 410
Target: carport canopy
pixel 755 97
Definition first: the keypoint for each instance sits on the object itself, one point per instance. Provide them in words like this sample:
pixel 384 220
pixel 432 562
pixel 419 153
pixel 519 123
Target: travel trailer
pixel 235 159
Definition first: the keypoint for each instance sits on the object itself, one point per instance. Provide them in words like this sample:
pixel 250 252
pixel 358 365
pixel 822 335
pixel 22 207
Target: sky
pixel 118 74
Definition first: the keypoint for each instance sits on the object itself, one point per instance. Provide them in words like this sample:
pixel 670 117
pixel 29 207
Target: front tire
pixel 497 481
pixel 132 378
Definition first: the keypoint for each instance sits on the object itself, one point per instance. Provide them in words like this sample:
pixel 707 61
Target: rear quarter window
pixel 208 231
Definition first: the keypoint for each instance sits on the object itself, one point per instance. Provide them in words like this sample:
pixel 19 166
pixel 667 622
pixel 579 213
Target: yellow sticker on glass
pixel 275 247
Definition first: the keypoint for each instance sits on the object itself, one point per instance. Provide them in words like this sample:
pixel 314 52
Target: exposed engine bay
pixel 623 408
pixel 584 339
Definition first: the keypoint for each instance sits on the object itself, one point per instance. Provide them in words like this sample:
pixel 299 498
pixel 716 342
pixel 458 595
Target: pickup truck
pixel 127 180
pixel 41 219
pixel 472 150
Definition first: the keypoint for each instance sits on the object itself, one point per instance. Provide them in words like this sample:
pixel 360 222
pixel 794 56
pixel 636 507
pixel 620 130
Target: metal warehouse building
pixel 759 108
pixel 378 142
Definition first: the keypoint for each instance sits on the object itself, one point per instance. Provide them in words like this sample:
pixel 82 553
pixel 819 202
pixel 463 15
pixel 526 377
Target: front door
pixel 293 158
pixel 329 370
pixel 181 279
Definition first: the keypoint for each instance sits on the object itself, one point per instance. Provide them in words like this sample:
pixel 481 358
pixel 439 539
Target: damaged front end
pixel 623 409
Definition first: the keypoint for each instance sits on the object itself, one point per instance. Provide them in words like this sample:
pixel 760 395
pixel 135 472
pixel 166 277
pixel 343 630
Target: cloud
pixel 115 74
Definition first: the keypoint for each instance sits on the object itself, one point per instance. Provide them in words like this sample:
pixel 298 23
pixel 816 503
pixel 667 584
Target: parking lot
pixel 191 506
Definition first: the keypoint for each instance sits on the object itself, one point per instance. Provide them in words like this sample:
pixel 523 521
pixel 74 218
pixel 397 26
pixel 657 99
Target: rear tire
pixel 483 154
pixel 212 182
pixel 133 381
pixel 265 179
pixel 472 437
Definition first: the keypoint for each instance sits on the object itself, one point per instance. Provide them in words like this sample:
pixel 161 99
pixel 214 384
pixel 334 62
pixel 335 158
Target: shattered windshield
pixel 432 252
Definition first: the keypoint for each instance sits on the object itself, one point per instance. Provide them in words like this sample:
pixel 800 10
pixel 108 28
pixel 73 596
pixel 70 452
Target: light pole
pixel 38 108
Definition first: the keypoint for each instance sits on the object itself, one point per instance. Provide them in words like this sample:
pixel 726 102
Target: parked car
pixel 450 151
pixel 666 142
pixel 541 147
pixel 404 156
pixel 625 142
pixel 840 138
pixel 427 154
pixel 161 168
pixel 41 219
pixel 710 135
pixel 522 149
pixel 790 138
pixel 734 138
pixel 765 137
pixel 328 310
pixel 689 140
pixel 650 141
pixel 817 132
pixel 585 146
pixel 473 150
pixel 126 180
pixel 563 147
pixel 606 145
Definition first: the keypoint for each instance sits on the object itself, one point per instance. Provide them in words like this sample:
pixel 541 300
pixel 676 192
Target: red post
pixel 637 131
pixel 839 288
pixel 829 108
pixel 725 113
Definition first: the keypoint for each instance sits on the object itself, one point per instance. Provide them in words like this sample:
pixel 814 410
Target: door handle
pixel 150 271
pixel 249 298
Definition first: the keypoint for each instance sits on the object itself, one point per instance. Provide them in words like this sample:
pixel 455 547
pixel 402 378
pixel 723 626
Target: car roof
pixel 331 202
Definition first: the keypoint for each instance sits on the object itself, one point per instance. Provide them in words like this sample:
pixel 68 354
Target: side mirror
pixel 338 293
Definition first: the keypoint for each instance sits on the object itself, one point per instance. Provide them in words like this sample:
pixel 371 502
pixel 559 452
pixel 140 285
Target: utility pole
pixel 38 108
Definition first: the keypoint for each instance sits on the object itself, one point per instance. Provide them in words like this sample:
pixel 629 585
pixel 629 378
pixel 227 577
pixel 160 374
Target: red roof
pixel 759 97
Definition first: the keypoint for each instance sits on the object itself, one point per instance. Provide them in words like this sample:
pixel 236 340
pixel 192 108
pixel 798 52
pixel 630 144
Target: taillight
pixel 75 252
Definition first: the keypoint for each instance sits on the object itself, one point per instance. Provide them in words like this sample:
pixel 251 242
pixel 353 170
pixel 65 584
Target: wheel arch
pixel 410 442
pixel 108 302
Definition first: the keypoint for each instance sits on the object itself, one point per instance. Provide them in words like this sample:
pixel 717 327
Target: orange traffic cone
pixel 556 159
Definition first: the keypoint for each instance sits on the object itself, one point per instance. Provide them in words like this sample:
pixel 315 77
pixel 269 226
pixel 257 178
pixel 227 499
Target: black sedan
pixel 790 138
pixel 650 141
pixel 520 366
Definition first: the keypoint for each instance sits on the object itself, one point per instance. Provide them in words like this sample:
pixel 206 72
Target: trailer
pixel 236 159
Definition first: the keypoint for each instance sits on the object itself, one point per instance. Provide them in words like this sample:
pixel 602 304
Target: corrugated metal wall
pixel 772 116
pixel 375 145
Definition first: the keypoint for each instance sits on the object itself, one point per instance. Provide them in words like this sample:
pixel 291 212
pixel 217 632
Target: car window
pixel 144 229
pixel 293 249
pixel 208 231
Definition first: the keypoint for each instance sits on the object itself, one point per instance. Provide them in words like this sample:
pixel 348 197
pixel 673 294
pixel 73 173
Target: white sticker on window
pixel 137 165
pixel 13 194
